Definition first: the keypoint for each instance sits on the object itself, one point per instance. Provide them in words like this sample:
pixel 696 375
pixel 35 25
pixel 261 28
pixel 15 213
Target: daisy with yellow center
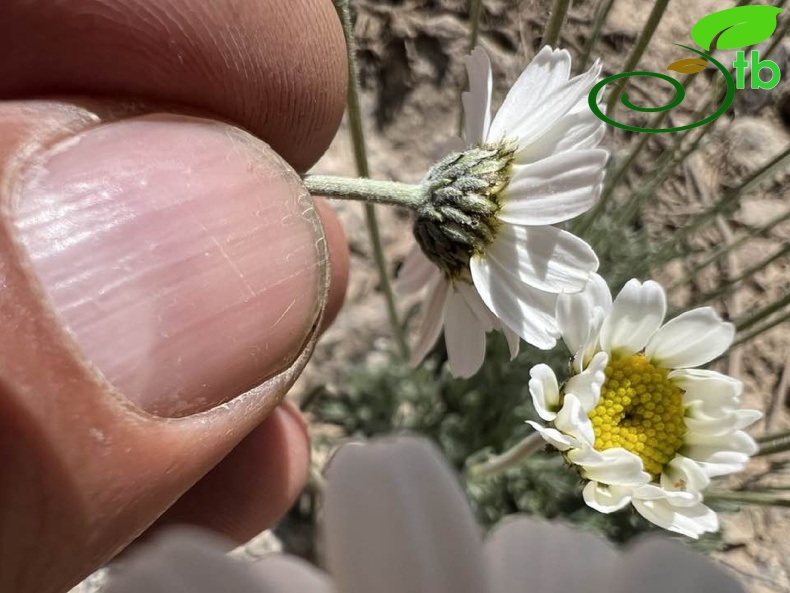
pixel 641 423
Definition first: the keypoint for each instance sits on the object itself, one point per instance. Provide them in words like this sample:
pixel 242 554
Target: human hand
pixel 155 261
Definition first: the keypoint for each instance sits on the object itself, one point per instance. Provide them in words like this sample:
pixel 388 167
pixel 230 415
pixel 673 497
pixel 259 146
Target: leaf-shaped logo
pixel 688 65
pixel 736 27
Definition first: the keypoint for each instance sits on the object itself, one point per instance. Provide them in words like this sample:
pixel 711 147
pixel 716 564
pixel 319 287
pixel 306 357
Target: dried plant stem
pixel 753 498
pixel 554 27
pixel 510 458
pixel 732 283
pixel 720 252
pixel 762 329
pixel 763 313
pixel 360 155
pixel 659 8
pixel 601 14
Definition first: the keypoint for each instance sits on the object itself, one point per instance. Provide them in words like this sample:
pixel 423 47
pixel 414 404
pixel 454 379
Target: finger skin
pixel 274 67
pixel 254 485
pixel 84 471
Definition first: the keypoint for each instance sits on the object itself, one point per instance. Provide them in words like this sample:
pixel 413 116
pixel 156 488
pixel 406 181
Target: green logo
pixel 732 28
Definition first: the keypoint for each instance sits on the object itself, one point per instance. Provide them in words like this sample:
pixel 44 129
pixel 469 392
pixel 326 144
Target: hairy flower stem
pixel 360 154
pixel 510 458
pixel 749 320
pixel 370 191
pixel 765 499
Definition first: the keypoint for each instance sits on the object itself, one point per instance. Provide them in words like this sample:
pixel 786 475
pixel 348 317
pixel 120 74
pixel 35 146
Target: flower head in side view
pixel 487 253
pixel 396 521
pixel 642 424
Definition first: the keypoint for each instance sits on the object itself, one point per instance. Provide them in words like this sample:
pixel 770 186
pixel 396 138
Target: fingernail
pixel 181 254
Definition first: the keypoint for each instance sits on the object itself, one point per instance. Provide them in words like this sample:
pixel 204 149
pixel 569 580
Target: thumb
pixel 151 268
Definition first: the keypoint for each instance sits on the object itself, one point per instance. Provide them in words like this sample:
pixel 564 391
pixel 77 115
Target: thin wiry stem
pixel 753 498
pixel 551 35
pixel 659 8
pixel 767 438
pixel 725 249
pixel 757 316
pixel 360 155
pixel 761 330
pixel 729 197
pixel 475 12
pixel 510 458
pixel 601 14
pixel 779 444
pixel 733 284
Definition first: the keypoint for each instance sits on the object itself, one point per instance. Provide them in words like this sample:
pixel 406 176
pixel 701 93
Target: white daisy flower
pixel 641 423
pixel 487 253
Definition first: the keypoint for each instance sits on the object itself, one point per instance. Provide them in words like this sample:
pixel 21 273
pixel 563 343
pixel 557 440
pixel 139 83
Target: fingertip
pixel 337 247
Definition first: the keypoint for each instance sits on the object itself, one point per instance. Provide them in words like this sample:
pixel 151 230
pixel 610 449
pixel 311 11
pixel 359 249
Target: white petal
pixel 697 421
pixel 544 104
pixel 525 310
pixel 182 559
pixel 685 475
pixel 546 258
pixel 605 498
pixel 555 438
pixel 477 102
pixel 598 292
pixel 573 420
pixel 522 557
pixel 464 337
pixel 574 314
pixel 548 71
pixel 587 384
pixel 554 189
pixel 720 455
pixel 545 391
pixel 713 392
pixel 657 564
pixel 579 129
pixel 691 339
pixel 432 319
pixel 416 272
pixel 279 573
pixel 513 340
pixel 636 314
pixel 614 466
pixel 690 521
pixel 396 520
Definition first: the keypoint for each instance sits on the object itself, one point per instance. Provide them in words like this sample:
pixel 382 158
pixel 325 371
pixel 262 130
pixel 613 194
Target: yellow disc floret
pixel 641 411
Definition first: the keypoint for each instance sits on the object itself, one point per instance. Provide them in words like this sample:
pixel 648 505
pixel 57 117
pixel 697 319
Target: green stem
pixel 601 14
pixel 360 154
pixel 774 436
pixel 510 458
pixel 371 191
pixel 475 11
pixel 552 33
pixel 753 498
pixel 641 45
